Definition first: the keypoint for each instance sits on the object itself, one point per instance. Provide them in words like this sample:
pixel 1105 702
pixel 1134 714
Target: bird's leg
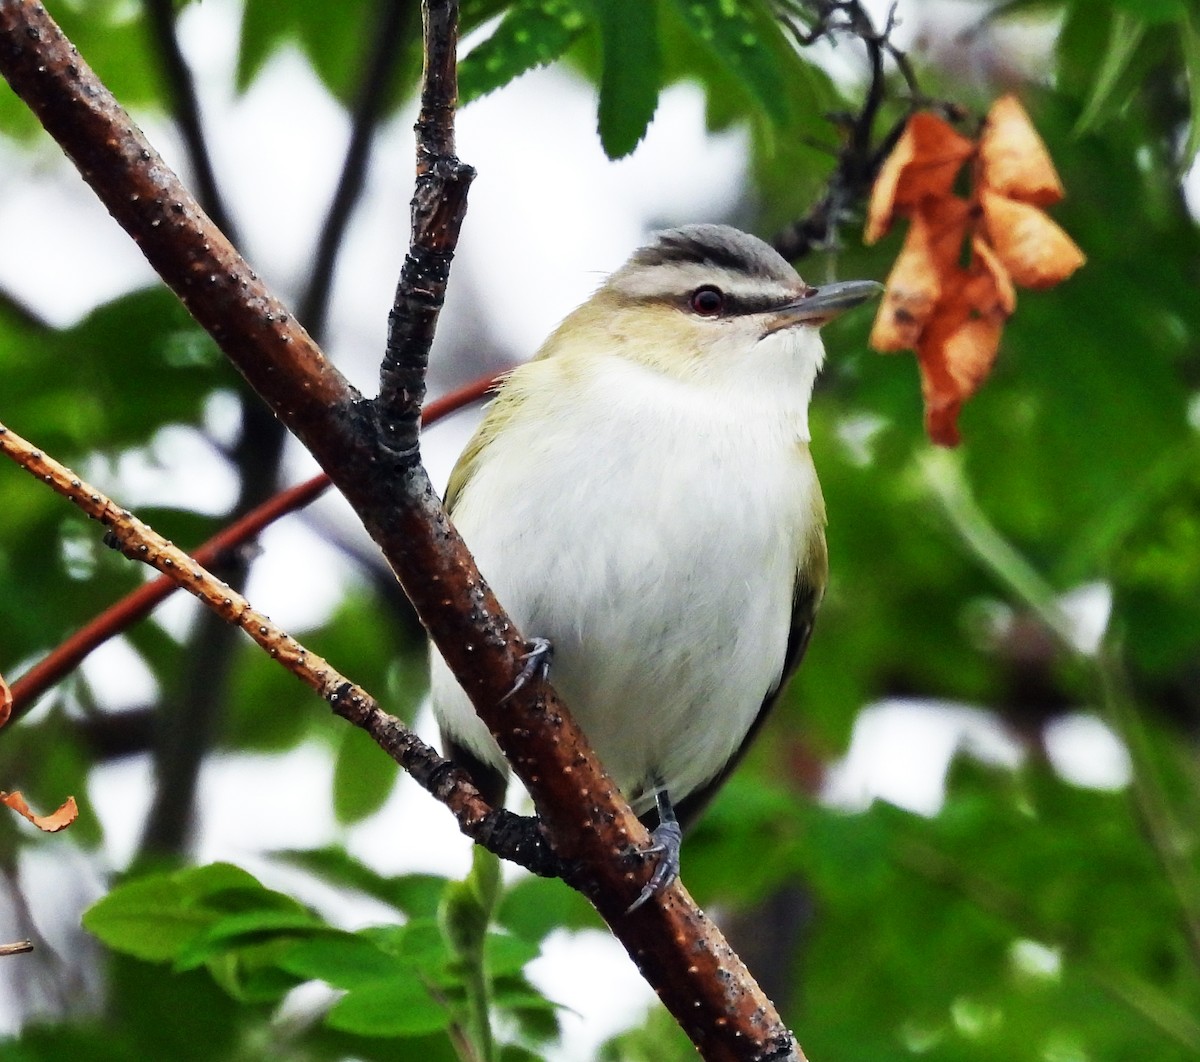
pixel 537 662
pixel 667 840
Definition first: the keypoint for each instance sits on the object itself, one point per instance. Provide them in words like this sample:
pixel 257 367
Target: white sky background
pixel 549 215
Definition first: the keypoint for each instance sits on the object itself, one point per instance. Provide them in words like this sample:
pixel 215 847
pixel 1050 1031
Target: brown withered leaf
pixel 6 701
pixel 915 284
pixel 924 162
pixel 954 361
pixel 1013 158
pixel 52 823
pixel 985 261
pixel 1034 250
pixel 958 348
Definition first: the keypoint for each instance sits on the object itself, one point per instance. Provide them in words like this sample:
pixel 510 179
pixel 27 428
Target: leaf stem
pixel 1173 846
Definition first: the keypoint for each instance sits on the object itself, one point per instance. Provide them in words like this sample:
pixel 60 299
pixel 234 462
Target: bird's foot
pixel 666 842
pixel 536 662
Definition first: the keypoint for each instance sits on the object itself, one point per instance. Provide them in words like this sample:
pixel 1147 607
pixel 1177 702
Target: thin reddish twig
pixel 138 604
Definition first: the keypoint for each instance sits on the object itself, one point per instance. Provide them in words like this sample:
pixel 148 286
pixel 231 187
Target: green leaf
pixel 343 960
pixel 1153 12
pixel 631 73
pixel 231 932
pixel 534 907
pixel 398 1006
pixel 334 46
pixel 147 919
pixel 363 777
pixel 506 954
pixel 1124 37
pixel 532 33
pixel 419 941
pixel 158 916
pixel 250 973
pixel 745 41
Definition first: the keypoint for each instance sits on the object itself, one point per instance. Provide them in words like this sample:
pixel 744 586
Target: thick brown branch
pixel 371 454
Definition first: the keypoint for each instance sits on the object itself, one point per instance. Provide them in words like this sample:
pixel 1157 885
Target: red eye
pixel 707 301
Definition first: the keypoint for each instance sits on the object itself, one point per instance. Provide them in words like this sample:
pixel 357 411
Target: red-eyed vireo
pixel 641 496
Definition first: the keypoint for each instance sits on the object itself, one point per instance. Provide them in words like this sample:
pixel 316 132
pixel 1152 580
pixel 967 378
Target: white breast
pixel 651 530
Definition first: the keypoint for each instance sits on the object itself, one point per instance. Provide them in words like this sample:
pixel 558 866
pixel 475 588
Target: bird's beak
pixel 821 305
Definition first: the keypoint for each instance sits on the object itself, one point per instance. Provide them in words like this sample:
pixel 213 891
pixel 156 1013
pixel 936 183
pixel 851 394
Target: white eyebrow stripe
pixel 677 279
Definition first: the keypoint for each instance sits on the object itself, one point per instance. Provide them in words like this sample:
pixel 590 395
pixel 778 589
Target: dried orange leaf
pixel 1034 250
pixel 941 394
pixel 985 263
pixel 924 162
pixel 1013 159
pixel 958 348
pixel 914 286
pixel 954 362
pixel 6 701
pixel 970 352
pixel 52 823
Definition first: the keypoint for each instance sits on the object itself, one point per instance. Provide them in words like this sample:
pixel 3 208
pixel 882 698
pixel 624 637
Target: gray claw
pixel 537 662
pixel 667 841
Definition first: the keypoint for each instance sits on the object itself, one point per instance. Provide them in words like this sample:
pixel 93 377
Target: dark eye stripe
pixel 734 305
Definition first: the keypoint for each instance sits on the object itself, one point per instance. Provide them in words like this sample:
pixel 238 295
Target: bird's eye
pixel 707 301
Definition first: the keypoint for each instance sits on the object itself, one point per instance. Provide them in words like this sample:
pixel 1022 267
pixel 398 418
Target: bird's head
pixel 712 305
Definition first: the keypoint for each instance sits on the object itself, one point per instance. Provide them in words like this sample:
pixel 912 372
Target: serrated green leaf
pixel 399 1006
pixel 1124 37
pixel 363 777
pixel 532 33
pixel 631 75
pixel 745 45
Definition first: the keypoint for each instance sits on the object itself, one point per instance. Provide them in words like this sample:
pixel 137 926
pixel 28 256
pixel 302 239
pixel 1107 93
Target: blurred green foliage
pixel 1029 919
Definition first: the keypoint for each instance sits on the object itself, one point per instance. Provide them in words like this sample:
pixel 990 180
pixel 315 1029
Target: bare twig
pixel 858 159
pixel 138 604
pixel 438 206
pixel 19 947
pixel 507 835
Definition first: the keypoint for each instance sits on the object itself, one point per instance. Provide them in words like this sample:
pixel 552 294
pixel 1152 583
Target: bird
pixel 642 500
